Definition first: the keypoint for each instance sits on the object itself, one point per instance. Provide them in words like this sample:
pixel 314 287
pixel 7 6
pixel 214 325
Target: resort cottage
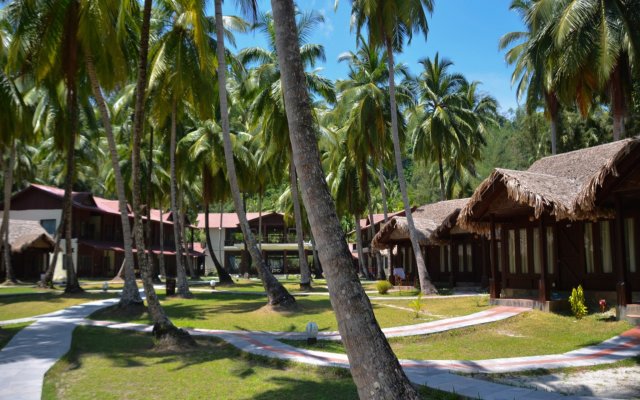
pixel 30 247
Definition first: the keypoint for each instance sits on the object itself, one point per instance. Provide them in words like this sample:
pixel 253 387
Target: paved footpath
pixel 33 350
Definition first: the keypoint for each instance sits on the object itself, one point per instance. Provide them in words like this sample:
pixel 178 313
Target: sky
pixel 465 31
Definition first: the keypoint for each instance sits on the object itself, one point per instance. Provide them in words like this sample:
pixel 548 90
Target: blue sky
pixel 465 31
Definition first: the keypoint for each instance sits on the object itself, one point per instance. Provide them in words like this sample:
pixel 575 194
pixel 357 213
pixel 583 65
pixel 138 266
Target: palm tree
pixel 103 22
pixel 374 367
pixel 163 328
pixel 267 108
pixel 441 121
pixel 597 41
pixel 276 293
pixel 534 56
pixel 388 24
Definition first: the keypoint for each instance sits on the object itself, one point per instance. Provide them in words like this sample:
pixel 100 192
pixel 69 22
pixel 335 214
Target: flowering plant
pixel 603 305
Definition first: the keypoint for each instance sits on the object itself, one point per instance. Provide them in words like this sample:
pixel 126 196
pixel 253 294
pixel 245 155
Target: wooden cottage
pixel 30 247
pixel 570 219
pixel 453 256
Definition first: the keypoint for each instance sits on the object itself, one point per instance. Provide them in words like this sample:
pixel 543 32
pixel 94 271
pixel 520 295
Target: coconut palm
pixel 264 90
pixel 276 293
pixel 374 367
pixel 442 122
pixel 388 24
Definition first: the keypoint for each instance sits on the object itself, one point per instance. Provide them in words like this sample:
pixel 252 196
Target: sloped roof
pixel 229 220
pixel 562 185
pixel 379 218
pixel 24 235
pixel 426 218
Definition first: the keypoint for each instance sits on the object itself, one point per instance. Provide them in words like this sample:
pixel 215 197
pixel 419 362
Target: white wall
pixel 36 215
pixel 216 235
pixel 59 273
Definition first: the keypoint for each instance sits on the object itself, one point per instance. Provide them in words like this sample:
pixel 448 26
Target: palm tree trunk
pixel 149 193
pixel 276 293
pixel 47 281
pixel 223 276
pixel 163 328
pixel 183 236
pixel 553 107
pixel 363 267
pixel 375 369
pixel 443 192
pixel 163 269
pixel 618 100
pixel 305 271
pixel 10 277
pixel 372 232
pixel 383 192
pixel 130 293
pixel 221 238
pixel 425 281
pixel 260 221
pixel 182 285
pixel 316 260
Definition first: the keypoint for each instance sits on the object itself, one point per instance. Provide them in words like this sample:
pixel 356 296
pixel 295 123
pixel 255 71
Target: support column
pixel 484 278
pixel 543 293
pixel 623 289
pixel 494 283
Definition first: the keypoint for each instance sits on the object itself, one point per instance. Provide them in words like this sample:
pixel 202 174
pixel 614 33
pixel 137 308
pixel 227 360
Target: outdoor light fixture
pixel 312 333
pixel 105 286
pixel 212 283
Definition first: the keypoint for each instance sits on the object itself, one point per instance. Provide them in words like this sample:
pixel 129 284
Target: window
pixel 469 258
pixel 588 247
pixel 537 261
pixel 551 251
pixel 49 225
pixel 630 244
pixel 512 251
pixel 605 246
pixel 524 255
pixel 461 258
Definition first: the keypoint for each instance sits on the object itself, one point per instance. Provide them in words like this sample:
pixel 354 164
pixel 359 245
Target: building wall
pixel 37 215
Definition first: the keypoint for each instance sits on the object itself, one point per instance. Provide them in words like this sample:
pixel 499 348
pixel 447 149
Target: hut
pixel 30 247
pixel 569 220
pixel 453 256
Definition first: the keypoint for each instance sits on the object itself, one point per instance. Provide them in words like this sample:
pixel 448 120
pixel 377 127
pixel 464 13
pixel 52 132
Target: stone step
pixel 633 318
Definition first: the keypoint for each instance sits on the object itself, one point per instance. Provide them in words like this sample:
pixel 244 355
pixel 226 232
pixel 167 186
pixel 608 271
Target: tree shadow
pixel 326 388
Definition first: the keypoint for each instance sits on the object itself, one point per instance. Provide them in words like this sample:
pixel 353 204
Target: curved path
pixel 31 352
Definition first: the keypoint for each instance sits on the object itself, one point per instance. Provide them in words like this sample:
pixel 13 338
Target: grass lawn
pixel 291 284
pixel 444 307
pixel 9 331
pixel 109 364
pixel 246 312
pixel 42 302
pixel 25 289
pixel 528 334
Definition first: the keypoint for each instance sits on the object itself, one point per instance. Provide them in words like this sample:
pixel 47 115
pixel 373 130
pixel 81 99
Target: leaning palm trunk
pixel 8 183
pixel 130 293
pixel 276 293
pixel 375 369
pixel 305 271
pixel 443 192
pixel 223 276
pixel 425 281
pixel 553 108
pixel 383 192
pixel 618 100
pixel 47 281
pixel 163 328
pixel 163 270
pixel 182 285
pixel 149 226
pixel 377 261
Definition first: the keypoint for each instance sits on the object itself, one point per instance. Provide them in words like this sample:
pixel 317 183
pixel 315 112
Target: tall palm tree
pixel 163 328
pixel 388 24
pixel 442 121
pixel 109 24
pixel 374 367
pixel 276 293
pixel 267 107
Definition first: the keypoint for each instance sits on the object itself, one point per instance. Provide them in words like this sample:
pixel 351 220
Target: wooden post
pixel 543 294
pixel 454 263
pixel 484 278
pixel 494 283
pixel 622 286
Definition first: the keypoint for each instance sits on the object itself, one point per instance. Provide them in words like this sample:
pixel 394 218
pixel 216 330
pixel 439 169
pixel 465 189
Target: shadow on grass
pixel 289 388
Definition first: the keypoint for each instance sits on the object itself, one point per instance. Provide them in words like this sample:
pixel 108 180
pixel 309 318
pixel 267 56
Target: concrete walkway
pixel 33 350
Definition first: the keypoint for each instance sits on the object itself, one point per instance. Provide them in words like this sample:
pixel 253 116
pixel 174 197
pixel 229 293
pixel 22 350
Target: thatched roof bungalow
pixel 564 222
pixel 30 244
pixel 452 255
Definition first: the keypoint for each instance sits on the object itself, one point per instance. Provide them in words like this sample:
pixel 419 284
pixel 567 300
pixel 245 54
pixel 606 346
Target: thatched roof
pixel 427 219
pixel 555 185
pixel 24 235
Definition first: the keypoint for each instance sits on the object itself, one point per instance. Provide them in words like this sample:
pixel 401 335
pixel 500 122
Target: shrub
pixel 578 308
pixel 416 305
pixel 383 286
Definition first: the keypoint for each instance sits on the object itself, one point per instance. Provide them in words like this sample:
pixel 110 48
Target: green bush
pixel 383 286
pixel 416 305
pixel 578 308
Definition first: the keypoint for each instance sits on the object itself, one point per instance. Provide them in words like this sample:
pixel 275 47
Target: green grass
pixel 24 289
pixel 247 312
pixel 528 334
pixel 292 285
pixel 29 305
pixel 9 331
pixel 109 364
pixel 444 307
